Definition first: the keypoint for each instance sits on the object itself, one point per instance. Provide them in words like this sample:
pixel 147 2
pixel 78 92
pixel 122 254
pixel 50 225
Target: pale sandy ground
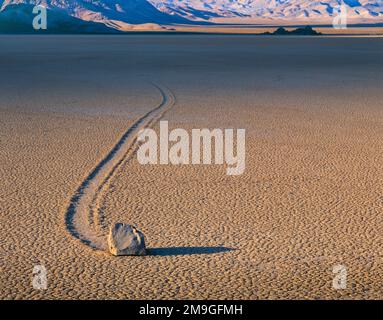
pixel 311 196
pixel 258 29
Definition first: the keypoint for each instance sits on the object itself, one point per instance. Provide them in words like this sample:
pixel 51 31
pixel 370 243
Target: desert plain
pixel 310 198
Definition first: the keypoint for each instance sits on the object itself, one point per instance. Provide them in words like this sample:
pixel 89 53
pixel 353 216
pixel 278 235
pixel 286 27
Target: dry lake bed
pixel 309 199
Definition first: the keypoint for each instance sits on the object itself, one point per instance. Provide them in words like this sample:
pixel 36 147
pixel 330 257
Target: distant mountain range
pixel 288 10
pixel 18 19
pixel 106 16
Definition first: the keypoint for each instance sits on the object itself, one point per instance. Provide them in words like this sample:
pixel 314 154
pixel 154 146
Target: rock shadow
pixel 184 251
